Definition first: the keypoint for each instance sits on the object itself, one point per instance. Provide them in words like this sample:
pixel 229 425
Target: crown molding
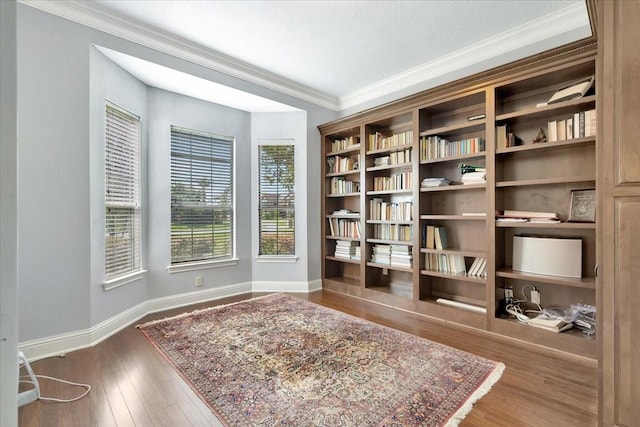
pixel 521 37
pixel 96 17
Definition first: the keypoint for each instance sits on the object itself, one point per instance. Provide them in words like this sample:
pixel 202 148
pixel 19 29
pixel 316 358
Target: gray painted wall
pixel 53 176
pixel 110 82
pixel 166 109
pixel 59 259
pixel 8 218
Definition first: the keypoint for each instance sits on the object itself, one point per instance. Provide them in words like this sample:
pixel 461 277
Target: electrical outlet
pixel 199 281
pixel 508 295
pixel 535 297
pixel 385 271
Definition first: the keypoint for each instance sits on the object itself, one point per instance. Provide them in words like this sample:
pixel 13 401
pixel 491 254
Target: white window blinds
pixel 276 207
pixel 202 196
pixel 122 192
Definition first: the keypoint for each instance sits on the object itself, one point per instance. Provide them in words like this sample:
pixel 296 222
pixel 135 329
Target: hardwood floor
pixel 133 385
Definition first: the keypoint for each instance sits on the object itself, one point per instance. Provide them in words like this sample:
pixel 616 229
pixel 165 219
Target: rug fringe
pixel 464 410
pixel 202 310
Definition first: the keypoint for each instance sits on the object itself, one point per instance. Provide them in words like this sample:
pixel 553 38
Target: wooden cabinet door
pixel 619 209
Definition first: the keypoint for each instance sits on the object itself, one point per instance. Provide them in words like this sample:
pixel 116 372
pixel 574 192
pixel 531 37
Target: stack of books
pixel 346 249
pixel 472 174
pixel 510 215
pixel 474 178
pixel 382 161
pixel 381 254
pixel 401 256
pixel 435 182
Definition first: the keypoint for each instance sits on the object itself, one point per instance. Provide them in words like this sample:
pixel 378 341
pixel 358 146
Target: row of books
pixel 402 233
pixel 505 137
pixel 337 164
pixel 455 264
pixel 444 263
pixel 343 144
pixel 347 249
pixel 341 227
pixel 434 237
pixel 340 185
pixel 435 147
pixel 378 141
pixel 396 255
pixel 395 158
pixel 581 125
pixel 397 181
pixel 379 210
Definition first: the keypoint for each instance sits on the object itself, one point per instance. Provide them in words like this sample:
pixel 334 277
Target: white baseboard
pixel 65 343
pixel 294 287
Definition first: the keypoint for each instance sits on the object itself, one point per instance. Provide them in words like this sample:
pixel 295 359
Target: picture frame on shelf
pixel 583 206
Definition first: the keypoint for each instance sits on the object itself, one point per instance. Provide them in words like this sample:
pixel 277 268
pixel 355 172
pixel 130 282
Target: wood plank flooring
pixel 133 385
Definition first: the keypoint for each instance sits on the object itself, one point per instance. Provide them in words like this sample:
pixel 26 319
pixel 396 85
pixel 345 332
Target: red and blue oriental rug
pixel 283 361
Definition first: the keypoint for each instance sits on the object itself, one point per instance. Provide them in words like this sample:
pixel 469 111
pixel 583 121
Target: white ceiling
pixel 344 53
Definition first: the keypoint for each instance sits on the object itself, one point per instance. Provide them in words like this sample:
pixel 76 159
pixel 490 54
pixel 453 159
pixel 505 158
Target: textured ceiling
pixel 339 54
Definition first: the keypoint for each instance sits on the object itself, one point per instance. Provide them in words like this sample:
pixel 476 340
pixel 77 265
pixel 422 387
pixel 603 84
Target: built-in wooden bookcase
pixel 342 223
pixel 435 135
pixel 451 133
pixel 541 177
pixel 389 184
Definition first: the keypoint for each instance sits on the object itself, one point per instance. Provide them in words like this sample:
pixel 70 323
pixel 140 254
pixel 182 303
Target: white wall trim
pixel 300 287
pixel 64 343
pixel 90 14
pixel 529 34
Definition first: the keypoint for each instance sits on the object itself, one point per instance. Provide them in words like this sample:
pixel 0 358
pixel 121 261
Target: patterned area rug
pixel 280 360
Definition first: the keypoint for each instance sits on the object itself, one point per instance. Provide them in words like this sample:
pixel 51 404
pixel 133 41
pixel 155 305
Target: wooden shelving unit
pixel 439 130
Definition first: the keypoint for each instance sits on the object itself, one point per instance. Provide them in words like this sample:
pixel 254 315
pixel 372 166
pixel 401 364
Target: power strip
pixel 521 317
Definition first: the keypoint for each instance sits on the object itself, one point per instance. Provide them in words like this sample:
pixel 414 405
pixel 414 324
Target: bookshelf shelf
pixel 459 276
pixel 537 177
pixel 351 172
pixel 344 195
pixel 388 150
pixel 354 239
pixel 541 225
pixel 390 267
pixel 472 156
pixel 546 145
pixel 549 110
pixel 454 187
pixel 347 260
pixel 387 167
pixel 586 282
pixel 453 217
pixel 464 253
pixel 377 221
pixel 351 149
pixel 546 181
pixel 471 126
pixel 383 192
pixel 391 242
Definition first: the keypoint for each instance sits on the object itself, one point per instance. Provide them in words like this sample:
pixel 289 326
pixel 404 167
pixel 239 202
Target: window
pixel 276 206
pixel 122 193
pixel 202 196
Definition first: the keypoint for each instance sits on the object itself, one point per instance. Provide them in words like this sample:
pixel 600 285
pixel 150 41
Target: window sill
pixel 189 266
pixel 108 285
pixel 277 258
